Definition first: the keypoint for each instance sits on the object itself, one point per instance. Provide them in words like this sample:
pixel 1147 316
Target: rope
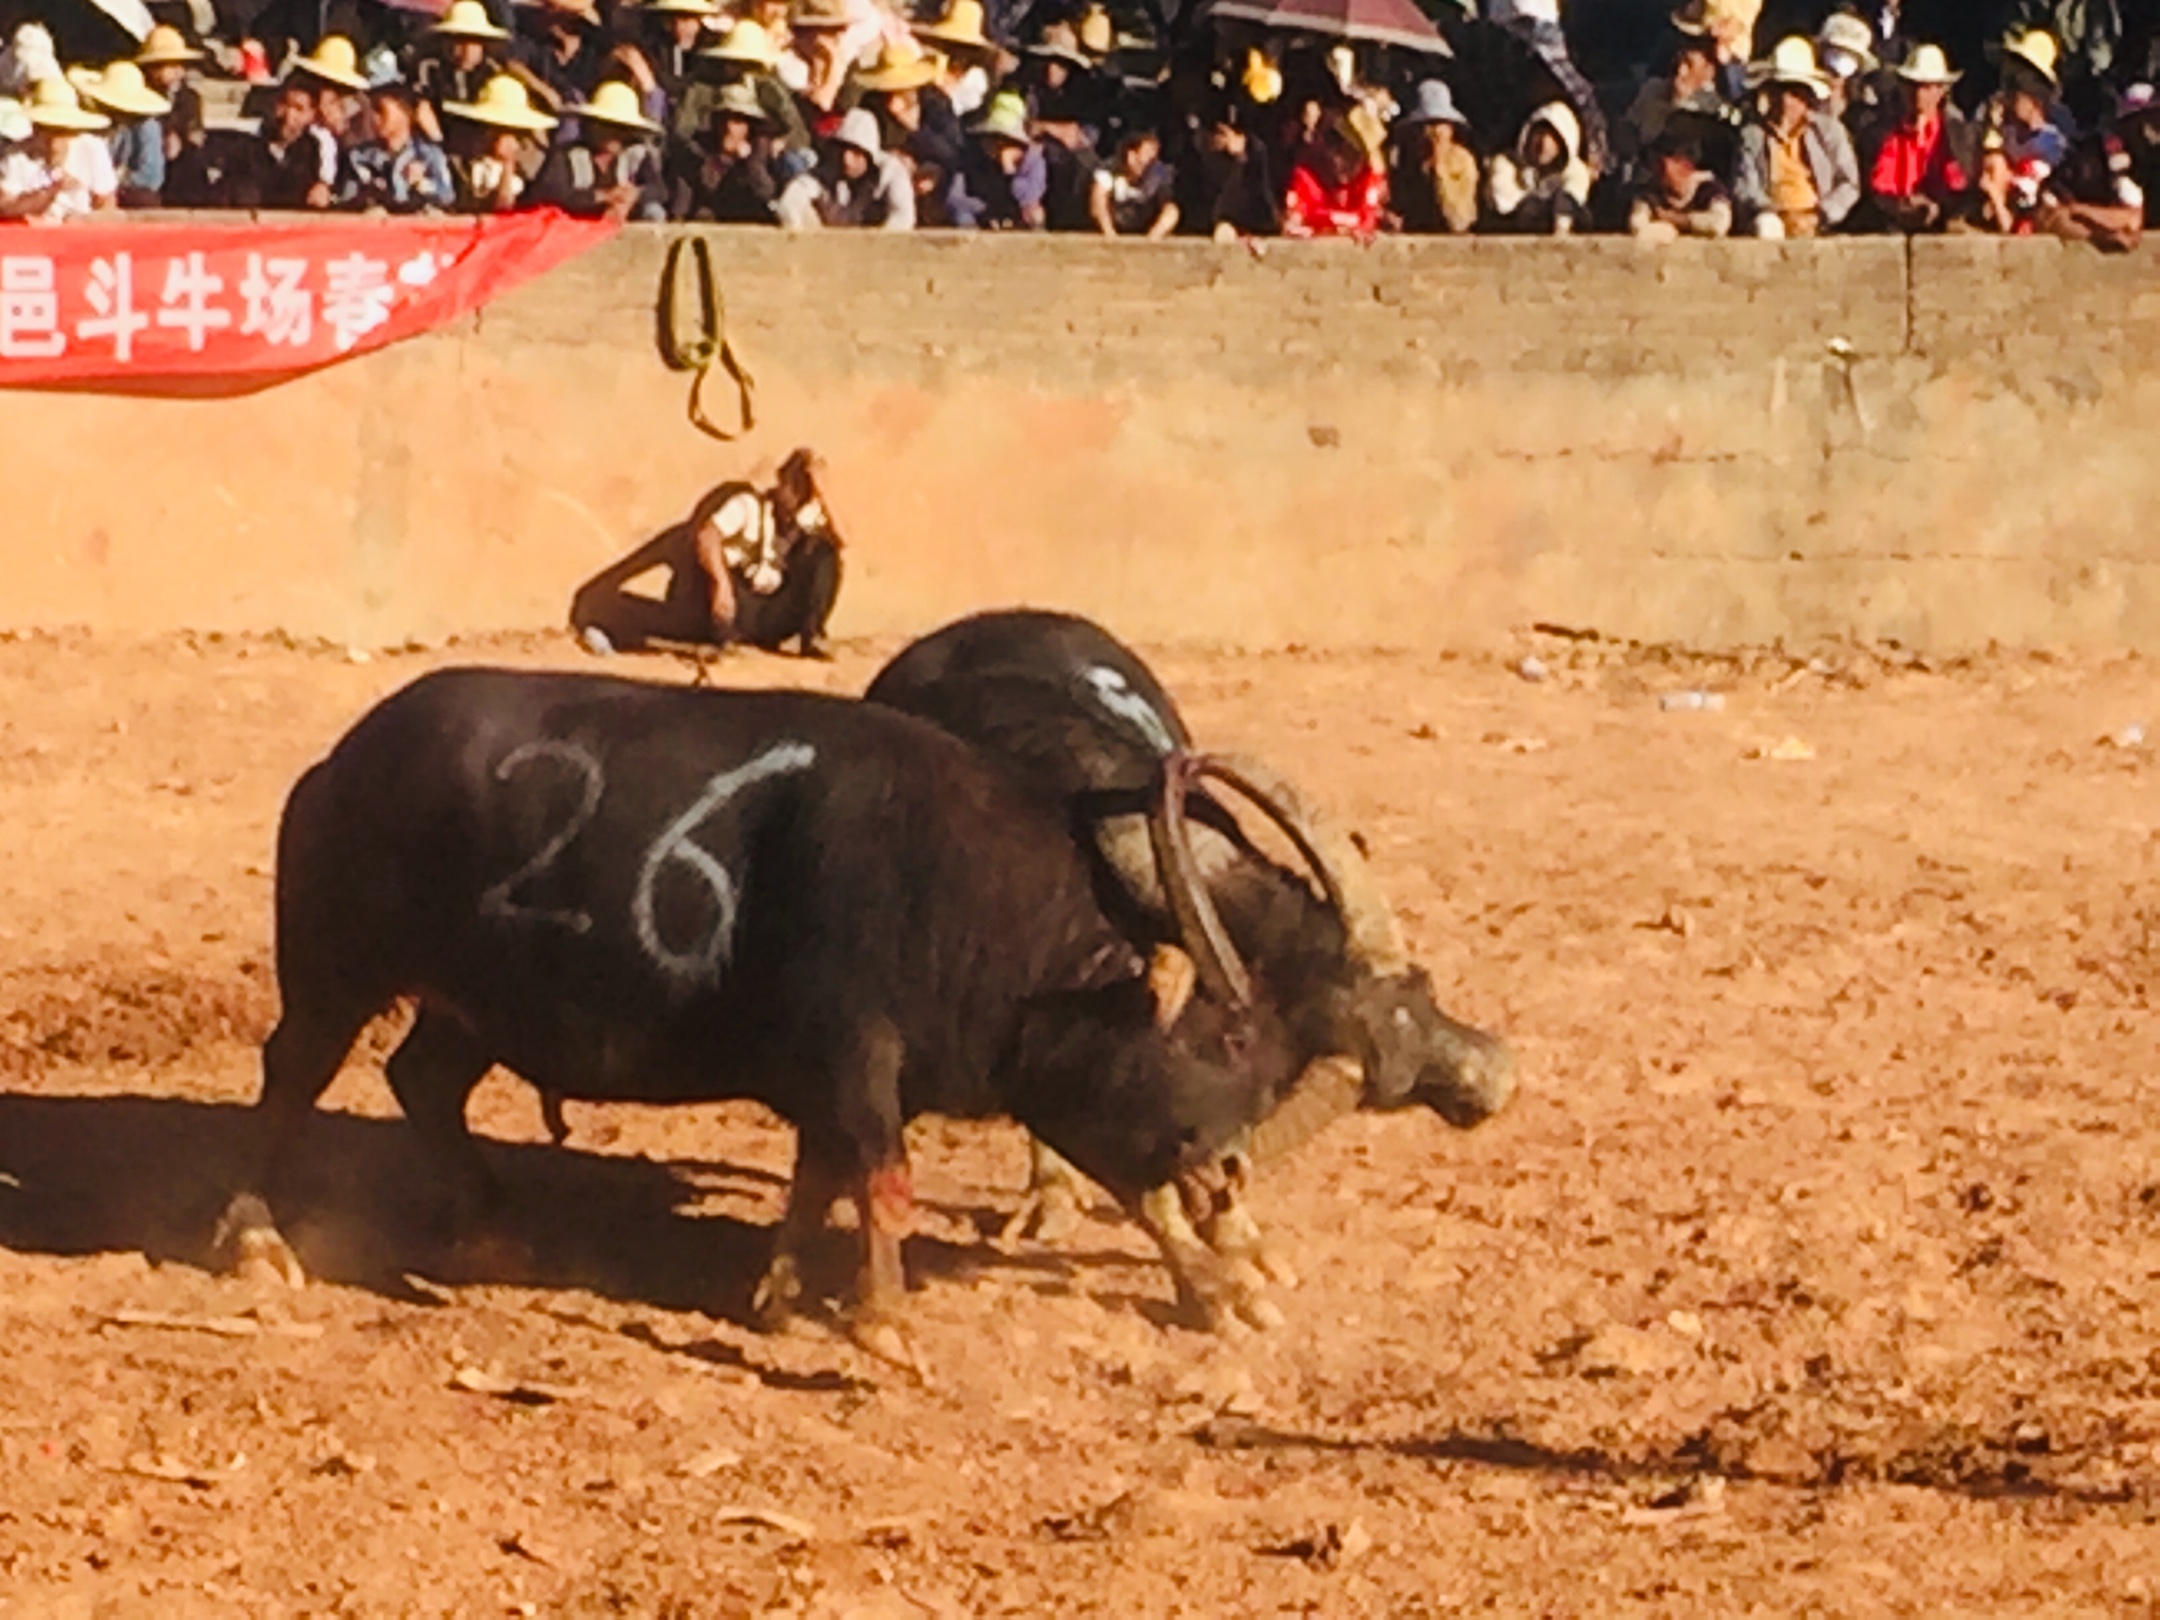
pixel 710 343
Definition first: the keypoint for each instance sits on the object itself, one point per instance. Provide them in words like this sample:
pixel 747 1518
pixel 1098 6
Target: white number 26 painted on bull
pixel 701 964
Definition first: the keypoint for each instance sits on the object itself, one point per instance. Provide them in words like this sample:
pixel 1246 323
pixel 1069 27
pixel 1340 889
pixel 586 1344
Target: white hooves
pixel 255 1249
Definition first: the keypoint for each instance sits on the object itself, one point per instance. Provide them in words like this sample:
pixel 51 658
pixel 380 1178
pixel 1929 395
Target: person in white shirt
pixel 64 170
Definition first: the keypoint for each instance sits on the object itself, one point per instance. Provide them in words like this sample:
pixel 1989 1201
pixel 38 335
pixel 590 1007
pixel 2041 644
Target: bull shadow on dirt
pixel 365 1206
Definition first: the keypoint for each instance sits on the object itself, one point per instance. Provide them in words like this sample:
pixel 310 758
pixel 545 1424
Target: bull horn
pixel 1374 932
pixel 1171 978
pixel 1328 1087
pixel 1200 928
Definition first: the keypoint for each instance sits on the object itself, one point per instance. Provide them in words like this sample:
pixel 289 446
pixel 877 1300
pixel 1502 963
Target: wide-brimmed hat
pixel 1928 65
pixel 738 100
pixel 468 19
pixel 504 103
pixel 1435 105
pixel 745 42
pixel 1704 18
pixel 1791 61
pixel 1060 42
pixel 1842 31
pixel 120 88
pixel 1005 119
pixel 334 61
pixel 815 14
pixel 960 29
pixel 859 130
pixel 901 65
pixel 616 103
pixel 164 45
pixel 55 105
pixel 2036 48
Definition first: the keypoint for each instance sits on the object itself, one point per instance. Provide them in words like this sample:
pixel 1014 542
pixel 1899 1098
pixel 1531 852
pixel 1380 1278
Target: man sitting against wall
pixel 755 566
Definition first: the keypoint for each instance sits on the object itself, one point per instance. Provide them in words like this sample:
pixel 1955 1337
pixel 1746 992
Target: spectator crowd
pixel 1063 115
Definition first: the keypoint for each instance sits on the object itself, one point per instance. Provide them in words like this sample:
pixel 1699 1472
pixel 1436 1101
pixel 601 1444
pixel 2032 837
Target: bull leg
pixel 1210 1287
pixel 300 1059
pixel 818 1181
pixel 1055 1197
pixel 870 1113
pixel 1225 1222
pixel 432 1074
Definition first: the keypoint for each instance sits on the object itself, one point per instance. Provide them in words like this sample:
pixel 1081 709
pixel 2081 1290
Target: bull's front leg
pixel 1050 1210
pixel 872 1116
pixel 1220 1215
pixel 820 1177
pixel 1215 1288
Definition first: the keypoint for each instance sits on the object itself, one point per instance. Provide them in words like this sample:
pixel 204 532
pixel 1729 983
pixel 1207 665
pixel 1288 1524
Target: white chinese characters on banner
pixel 29 310
pixel 111 296
pixel 280 309
pixel 189 287
pixel 357 294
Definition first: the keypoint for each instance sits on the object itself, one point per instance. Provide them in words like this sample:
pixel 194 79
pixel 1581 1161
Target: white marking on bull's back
pixel 700 966
pixel 1115 693
pixel 500 900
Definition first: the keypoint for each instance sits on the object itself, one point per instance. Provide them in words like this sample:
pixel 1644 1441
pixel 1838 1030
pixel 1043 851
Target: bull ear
pixel 1171 977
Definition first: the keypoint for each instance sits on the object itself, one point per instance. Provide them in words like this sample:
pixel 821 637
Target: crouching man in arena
pixel 755 566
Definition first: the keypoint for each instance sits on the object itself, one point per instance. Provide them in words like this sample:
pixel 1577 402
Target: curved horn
pixel 1199 927
pixel 1327 1088
pixel 1374 931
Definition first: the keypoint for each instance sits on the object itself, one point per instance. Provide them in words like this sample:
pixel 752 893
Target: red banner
pixel 245 302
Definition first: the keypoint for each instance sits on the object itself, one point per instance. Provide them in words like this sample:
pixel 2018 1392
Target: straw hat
pixel 468 19
pixel 1792 61
pixel 1060 42
pixel 2036 48
pixel 745 42
pixel 1842 31
pixel 1731 18
pixel 960 29
pixel 740 101
pixel 1005 119
pixel 901 65
pixel 616 103
pixel 54 105
pixel 1097 37
pixel 1928 65
pixel 810 15
pixel 334 62
pixel 503 103
pixel 165 44
pixel 120 88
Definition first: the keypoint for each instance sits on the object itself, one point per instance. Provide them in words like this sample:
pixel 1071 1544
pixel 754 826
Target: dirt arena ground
pixel 1815 1271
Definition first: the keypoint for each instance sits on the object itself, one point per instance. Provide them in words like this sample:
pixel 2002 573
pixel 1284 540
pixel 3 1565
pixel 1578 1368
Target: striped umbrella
pixel 1381 22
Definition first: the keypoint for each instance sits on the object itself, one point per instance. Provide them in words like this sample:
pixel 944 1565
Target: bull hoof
pixel 256 1250
pixel 882 1337
pixel 777 1295
pixel 1231 1299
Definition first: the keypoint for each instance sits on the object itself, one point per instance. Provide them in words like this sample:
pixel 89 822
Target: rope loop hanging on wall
pixel 708 343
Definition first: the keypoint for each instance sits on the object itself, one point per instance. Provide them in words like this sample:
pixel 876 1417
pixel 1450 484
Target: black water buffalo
pixel 634 892
pixel 1086 726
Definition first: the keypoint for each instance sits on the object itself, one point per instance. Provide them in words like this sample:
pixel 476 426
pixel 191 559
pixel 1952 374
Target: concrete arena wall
pixel 1412 443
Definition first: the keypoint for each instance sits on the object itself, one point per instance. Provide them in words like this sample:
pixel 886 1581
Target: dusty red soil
pixel 1816 1269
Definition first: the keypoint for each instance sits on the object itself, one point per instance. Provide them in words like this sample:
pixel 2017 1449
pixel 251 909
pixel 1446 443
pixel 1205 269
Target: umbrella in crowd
pixel 1501 77
pixel 1378 22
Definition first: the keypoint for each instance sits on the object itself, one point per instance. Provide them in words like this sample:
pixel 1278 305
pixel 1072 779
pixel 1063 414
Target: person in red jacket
pixel 1919 173
pixel 1337 187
